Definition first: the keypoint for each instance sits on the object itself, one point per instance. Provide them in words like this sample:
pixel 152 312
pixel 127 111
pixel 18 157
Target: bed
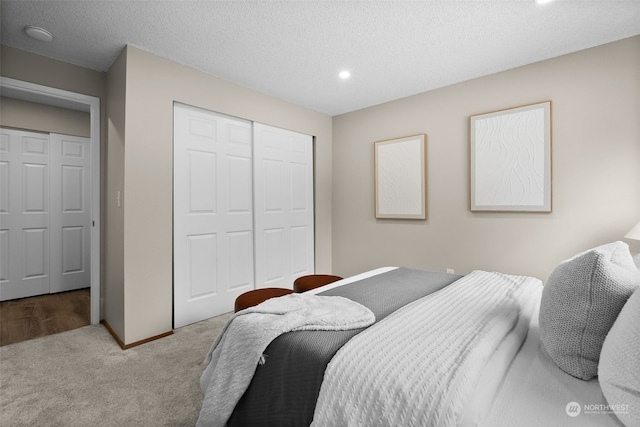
pixel 440 349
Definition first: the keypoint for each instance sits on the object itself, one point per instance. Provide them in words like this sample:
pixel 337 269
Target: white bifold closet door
pixel 213 213
pixel 284 232
pixel 237 222
pixel 45 216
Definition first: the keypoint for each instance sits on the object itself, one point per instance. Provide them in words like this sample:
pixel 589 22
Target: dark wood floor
pixel 34 317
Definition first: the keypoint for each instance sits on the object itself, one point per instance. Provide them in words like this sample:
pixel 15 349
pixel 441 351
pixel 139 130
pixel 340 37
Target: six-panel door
pixel 284 232
pixel 42 250
pixel 213 213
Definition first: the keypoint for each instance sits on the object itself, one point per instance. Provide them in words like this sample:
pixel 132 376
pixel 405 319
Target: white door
pixel 45 217
pixel 213 213
pixel 24 214
pixel 284 231
pixel 70 225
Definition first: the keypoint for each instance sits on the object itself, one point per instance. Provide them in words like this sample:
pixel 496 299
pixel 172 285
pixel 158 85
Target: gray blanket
pixel 283 391
pixel 234 356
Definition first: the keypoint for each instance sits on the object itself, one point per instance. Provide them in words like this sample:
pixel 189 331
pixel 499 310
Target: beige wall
pixel 26 115
pixel 113 285
pixel 595 98
pixel 20 65
pixel 152 86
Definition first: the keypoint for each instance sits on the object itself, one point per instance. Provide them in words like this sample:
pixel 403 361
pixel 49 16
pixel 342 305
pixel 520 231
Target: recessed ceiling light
pixel 543 1
pixel 38 33
pixel 344 74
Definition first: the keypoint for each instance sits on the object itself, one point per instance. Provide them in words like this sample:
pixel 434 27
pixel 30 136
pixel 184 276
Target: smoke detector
pixel 38 33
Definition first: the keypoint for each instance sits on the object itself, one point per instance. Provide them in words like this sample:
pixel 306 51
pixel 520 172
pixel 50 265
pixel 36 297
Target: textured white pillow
pixel 580 301
pixel 619 369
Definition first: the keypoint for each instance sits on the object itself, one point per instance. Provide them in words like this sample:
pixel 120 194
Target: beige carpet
pixel 83 378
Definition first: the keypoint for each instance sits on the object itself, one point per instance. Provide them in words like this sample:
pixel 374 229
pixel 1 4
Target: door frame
pixel 76 101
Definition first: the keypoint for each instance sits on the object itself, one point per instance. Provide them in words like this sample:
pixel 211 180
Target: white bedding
pixel 521 386
pixel 420 365
pixel 351 279
pixel 493 374
pixel 535 392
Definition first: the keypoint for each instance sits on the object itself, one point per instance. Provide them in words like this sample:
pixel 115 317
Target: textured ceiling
pixel 293 50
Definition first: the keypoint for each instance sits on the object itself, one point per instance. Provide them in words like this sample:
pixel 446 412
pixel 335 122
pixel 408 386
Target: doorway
pixel 27 91
pixel 45 215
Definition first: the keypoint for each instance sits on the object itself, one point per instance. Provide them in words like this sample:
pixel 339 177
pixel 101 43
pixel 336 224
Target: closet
pixel 45 216
pixel 243 210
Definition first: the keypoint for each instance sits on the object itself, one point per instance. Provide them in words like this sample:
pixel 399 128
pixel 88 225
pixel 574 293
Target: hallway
pixel 34 317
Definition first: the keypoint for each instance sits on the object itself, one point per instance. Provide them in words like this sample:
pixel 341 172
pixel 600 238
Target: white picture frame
pixel 510 160
pixel 400 178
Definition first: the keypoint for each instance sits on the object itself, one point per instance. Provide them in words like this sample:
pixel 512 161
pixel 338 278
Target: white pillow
pixel 580 301
pixel 619 369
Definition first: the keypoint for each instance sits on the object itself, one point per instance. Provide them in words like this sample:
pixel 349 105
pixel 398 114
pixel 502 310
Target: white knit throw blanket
pixel 420 365
pixel 234 356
